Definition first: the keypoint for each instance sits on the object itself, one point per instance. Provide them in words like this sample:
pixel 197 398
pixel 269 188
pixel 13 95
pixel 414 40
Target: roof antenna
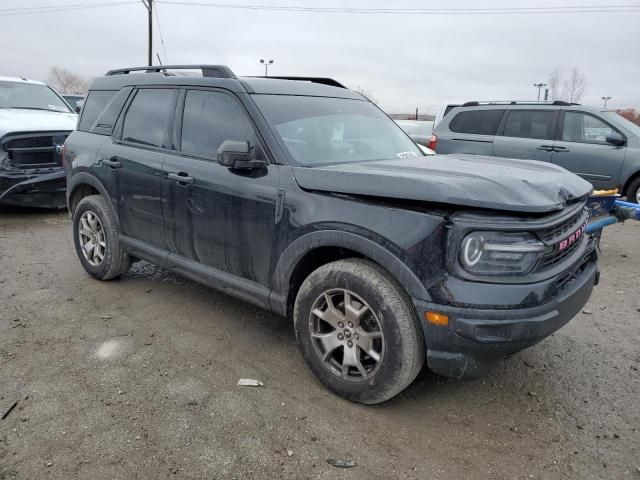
pixel 164 70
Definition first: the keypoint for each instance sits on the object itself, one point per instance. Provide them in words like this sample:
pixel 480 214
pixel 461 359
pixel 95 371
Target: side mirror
pixel 77 109
pixel 238 156
pixel 614 138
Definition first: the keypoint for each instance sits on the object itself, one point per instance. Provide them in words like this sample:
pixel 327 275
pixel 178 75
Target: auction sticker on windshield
pixel 406 155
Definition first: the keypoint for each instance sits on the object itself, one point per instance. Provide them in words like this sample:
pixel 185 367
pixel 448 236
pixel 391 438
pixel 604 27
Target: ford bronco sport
pixel 302 197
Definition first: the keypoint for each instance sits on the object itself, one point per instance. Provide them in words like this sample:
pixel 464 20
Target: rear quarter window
pixel 477 122
pixel 93 107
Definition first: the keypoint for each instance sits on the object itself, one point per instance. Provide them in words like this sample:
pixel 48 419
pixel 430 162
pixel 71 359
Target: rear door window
pixel 95 103
pixel 530 124
pixel 478 122
pixel 209 119
pixel 149 117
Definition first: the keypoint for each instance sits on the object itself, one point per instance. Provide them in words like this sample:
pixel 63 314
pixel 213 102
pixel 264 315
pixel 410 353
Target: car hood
pixel 465 180
pixel 17 120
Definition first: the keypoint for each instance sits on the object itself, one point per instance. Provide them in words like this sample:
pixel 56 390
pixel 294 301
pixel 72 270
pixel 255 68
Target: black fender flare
pixel 297 249
pixel 84 178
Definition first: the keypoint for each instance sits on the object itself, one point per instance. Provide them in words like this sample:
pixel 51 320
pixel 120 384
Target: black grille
pixel 37 151
pixel 30 142
pixel 555 257
pixel 556 234
pixel 565 228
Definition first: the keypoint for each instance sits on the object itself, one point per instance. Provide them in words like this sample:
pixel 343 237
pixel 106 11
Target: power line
pixel 420 11
pixel 620 8
pixel 164 49
pixel 7 12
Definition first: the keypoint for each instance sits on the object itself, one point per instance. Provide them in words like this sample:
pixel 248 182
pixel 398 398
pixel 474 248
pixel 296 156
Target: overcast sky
pixel 404 61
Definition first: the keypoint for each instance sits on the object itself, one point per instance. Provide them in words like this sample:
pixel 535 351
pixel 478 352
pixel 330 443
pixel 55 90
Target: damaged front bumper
pixel 43 188
pixel 475 339
pixel 31 169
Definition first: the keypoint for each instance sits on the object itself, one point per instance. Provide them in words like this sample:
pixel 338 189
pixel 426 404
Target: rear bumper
pixel 475 339
pixel 43 188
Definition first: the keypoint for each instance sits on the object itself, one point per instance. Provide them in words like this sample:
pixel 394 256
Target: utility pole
pixel 539 87
pixel 266 66
pixel 606 99
pixel 149 6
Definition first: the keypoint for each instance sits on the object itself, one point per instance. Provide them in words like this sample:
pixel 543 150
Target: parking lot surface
pixel 136 378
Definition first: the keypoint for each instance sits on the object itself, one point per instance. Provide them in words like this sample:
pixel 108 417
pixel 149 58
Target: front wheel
pixel 358 331
pixel 95 234
pixel 633 192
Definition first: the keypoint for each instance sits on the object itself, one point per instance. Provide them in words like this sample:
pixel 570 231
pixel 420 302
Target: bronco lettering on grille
pixel 571 239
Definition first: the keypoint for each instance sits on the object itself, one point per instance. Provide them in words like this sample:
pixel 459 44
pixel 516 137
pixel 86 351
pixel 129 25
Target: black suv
pixel 302 197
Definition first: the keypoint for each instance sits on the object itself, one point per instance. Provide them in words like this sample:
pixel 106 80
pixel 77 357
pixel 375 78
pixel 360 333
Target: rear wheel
pixel 358 331
pixel 95 234
pixel 633 192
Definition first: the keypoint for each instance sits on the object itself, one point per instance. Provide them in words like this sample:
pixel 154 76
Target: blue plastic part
pixel 620 203
pixel 600 224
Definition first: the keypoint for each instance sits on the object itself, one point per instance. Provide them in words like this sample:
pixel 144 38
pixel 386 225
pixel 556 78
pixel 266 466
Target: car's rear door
pixel 527 134
pixel 581 147
pixel 136 154
pixel 218 217
pixel 469 131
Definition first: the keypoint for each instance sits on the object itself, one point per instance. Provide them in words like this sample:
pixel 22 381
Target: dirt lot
pixel 136 378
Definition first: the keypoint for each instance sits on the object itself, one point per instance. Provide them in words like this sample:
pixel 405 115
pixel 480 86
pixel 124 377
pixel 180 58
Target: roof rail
pixel 323 80
pixel 215 71
pixel 476 103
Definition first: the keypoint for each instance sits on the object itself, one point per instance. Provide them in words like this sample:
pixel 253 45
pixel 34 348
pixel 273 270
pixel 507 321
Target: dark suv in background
pixel 599 145
pixel 302 197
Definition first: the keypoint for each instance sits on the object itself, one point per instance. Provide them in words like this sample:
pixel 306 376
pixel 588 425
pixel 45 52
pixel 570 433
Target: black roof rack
pixel 215 71
pixel 476 103
pixel 322 80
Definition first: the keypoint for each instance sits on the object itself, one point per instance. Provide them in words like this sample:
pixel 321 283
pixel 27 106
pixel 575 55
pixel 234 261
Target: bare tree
pixel 366 94
pixel 569 90
pixel 575 85
pixel 65 81
pixel 554 83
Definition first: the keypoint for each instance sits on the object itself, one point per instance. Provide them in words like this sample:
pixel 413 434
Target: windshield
pixel 618 119
pixel 321 131
pixel 31 96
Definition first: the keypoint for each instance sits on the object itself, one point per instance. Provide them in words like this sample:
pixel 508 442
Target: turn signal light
pixel 437 318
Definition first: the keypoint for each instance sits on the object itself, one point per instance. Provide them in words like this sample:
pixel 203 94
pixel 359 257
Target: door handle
pixel 182 178
pixel 560 149
pixel 545 148
pixel 113 162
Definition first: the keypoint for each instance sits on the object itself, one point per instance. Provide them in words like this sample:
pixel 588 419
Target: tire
pixel 105 261
pixel 388 329
pixel 633 192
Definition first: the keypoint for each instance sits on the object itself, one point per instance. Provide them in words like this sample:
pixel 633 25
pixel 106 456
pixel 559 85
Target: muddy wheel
pixel 358 331
pixel 95 234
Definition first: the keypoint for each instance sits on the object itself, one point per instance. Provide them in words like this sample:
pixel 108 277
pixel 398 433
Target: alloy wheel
pixel 347 335
pixel 93 242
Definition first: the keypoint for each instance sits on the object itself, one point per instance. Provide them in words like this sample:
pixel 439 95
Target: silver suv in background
pixel 599 145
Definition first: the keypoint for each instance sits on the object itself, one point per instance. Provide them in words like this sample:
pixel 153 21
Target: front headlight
pixel 499 253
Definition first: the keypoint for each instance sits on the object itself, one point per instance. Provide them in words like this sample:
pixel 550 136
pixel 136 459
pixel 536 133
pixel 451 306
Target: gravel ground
pixel 136 378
